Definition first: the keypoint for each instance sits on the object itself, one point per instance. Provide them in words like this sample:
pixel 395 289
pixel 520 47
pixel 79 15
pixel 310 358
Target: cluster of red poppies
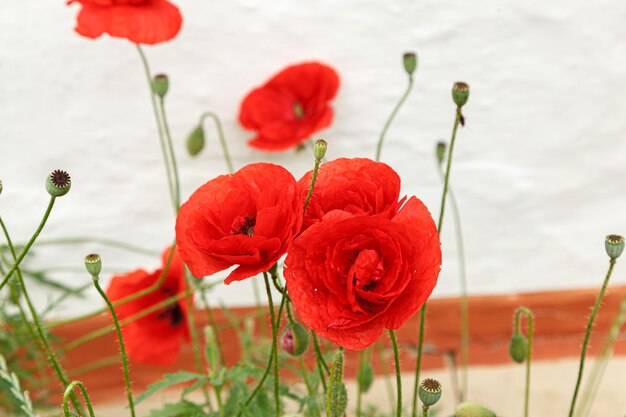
pixel 360 259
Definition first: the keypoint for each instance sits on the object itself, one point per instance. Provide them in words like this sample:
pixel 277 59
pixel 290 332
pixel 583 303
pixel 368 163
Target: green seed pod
pixel 429 392
pixel 614 245
pixel 295 339
pixel 160 85
pixel 93 264
pixel 410 62
pixel 195 141
pixel 460 93
pixel 365 376
pixel 441 151
pixel 518 348
pixel 319 149
pixel 58 183
pixel 472 410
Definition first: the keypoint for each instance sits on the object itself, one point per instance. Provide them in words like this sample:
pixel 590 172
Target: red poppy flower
pixel 247 219
pixel 358 186
pixel 140 21
pixel 155 338
pixel 290 107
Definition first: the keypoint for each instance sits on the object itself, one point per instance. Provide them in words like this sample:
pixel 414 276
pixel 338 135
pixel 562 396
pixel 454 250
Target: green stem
pixel 425 410
pixel 29 244
pixel 313 180
pixel 359 393
pixel 101 241
pixel 218 398
pixel 220 133
pixel 309 388
pixel 529 319
pixel 396 358
pixel 446 181
pixel 68 393
pixel 118 330
pixel 321 363
pixel 268 290
pixel 172 155
pixel 213 324
pixel 45 344
pixel 588 334
pixel 381 139
pixel 385 370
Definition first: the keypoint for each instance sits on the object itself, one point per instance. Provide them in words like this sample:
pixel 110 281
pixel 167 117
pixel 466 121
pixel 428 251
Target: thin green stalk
pixel 68 392
pixel 530 325
pixel 213 324
pixel 309 388
pixel 381 139
pixel 322 366
pixel 43 338
pixel 220 133
pixel 313 180
pixel 383 364
pixel 396 358
pixel 29 244
pixel 118 330
pixel 420 344
pixel 588 334
pixel 268 290
pixel 172 155
pixel 77 240
pixel 218 398
pixel 359 392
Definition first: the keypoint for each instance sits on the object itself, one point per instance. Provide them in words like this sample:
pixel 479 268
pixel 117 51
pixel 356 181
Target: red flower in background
pixel 155 338
pixel 290 107
pixel 247 219
pixel 358 186
pixel 140 21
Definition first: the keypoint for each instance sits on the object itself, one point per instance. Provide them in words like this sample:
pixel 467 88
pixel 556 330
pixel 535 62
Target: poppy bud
pixel 518 348
pixel 472 410
pixel 614 245
pixel 441 151
pixel 58 183
pixel 410 62
pixel 0 186
pixel 195 141
pixel 295 339
pixel 160 85
pixel 211 351
pixel 429 392
pixel 93 264
pixel 365 376
pixel 460 93
pixel 319 149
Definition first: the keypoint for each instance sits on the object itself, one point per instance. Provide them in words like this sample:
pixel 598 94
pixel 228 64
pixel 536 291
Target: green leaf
pixel 167 381
pixel 183 408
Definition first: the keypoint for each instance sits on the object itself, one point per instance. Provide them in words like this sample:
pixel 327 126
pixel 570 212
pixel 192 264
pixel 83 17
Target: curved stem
pixel 396 358
pixel 172 155
pixel 67 394
pixel 116 322
pixel 529 319
pixel 268 290
pixel 321 363
pixel 381 139
pixel 446 181
pixel 213 324
pixel 588 334
pixel 17 262
pixel 102 241
pixel 313 180
pixel 220 133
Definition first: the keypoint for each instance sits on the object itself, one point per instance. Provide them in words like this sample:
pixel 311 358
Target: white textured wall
pixel 539 169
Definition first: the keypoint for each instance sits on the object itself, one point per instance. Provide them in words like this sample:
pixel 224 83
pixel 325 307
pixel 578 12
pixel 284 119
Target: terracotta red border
pixel 560 319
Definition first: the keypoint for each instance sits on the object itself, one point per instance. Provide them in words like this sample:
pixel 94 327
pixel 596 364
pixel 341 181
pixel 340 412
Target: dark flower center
pixel 298 110
pixel 243 225
pixel 60 178
pixel 173 314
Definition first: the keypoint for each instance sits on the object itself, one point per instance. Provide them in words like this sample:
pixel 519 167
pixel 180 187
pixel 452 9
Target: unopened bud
pixel 614 245
pixel 460 93
pixel 429 392
pixel 319 149
pixel 58 183
pixel 365 376
pixel 93 264
pixel 160 85
pixel 410 62
pixel 295 339
pixel 195 141
pixel 441 151
pixel 518 348
pixel 472 410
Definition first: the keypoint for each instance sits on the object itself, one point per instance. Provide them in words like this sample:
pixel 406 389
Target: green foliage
pixel 169 380
pixel 183 408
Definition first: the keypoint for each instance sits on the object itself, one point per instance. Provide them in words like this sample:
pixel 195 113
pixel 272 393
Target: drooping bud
pixel 319 149
pixel 195 141
pixel 429 392
pixel 472 410
pixel 460 93
pixel 93 264
pixel 614 245
pixel 295 339
pixel 365 376
pixel 518 348
pixel 58 183
pixel 410 62
pixel 441 151
pixel 160 85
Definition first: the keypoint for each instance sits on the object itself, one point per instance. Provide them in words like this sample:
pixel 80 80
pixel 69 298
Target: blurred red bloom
pixel 247 219
pixel 155 338
pixel 140 21
pixel 290 107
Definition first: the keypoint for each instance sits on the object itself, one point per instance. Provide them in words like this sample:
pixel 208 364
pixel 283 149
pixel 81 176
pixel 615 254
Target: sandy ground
pixel 499 387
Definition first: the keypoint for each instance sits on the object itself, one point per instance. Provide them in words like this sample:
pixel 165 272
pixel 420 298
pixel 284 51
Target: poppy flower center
pixel 243 225
pixel 367 270
pixel 298 110
pixel 173 314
